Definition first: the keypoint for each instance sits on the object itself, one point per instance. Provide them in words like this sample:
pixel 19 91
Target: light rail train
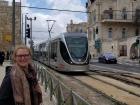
pixel 67 52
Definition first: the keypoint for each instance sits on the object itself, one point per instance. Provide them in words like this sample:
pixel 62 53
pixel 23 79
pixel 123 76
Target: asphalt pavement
pixel 127 65
pixel 122 60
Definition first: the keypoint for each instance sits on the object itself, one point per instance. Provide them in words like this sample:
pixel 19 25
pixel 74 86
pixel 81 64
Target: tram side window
pixel 53 50
pixel 64 52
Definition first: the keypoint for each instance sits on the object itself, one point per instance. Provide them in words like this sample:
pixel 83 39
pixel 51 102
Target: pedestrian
pixel 24 83
pixel 2 57
pixel 7 55
pixel 6 92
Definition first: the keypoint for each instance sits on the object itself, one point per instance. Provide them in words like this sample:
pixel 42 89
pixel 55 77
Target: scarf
pixel 26 89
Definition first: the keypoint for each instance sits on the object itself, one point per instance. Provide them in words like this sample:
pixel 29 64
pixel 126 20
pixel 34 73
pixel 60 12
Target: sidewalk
pixel 126 60
pixel 46 97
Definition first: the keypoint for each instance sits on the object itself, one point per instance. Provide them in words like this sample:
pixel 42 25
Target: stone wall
pixel 6 25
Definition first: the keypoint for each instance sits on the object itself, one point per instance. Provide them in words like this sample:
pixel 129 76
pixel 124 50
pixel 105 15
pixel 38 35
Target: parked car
pixel 107 58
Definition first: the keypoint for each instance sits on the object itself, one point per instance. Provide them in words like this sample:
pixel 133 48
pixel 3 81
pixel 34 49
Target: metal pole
pixel 25 27
pixel 49 31
pixel 31 39
pixel 13 25
pixel 22 27
pixel 21 21
pixel 31 36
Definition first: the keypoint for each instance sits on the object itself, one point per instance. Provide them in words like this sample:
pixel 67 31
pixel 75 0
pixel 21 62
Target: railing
pixel 61 93
pixel 118 15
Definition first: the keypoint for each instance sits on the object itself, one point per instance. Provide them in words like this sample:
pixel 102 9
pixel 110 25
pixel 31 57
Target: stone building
pixel 114 26
pixel 6 25
pixel 79 27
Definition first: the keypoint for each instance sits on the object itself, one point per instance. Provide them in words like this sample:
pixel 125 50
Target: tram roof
pixel 69 34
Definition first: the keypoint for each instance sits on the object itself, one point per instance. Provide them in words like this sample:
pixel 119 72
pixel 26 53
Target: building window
pixel 110 13
pixel 97 30
pixel 94 34
pixel 110 33
pixel 94 16
pixel 123 50
pixel 123 33
pixel 137 32
pixel 124 13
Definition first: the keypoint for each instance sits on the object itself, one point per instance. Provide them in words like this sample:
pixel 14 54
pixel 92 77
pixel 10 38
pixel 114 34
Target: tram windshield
pixel 77 47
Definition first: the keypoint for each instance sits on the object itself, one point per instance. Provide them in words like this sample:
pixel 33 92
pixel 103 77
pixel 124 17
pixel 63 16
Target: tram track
pixel 103 87
pixel 129 78
pixel 115 88
pixel 121 88
pixel 93 96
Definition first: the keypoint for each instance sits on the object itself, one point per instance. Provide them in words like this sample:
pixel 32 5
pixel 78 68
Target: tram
pixel 67 52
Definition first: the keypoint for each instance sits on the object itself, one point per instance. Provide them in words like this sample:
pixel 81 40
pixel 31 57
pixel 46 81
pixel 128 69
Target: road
pixel 120 67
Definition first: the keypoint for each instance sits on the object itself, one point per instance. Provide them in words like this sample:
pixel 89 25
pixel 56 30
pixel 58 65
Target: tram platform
pixel 46 98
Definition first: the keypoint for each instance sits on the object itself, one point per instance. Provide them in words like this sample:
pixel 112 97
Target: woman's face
pixel 22 57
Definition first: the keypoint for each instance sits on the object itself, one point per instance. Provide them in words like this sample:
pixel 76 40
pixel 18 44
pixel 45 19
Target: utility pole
pixel 25 28
pixel 50 28
pixel 21 22
pixel 49 31
pixel 13 25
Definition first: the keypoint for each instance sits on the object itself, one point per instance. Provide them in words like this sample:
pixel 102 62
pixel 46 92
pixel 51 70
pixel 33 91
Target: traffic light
pixel 28 32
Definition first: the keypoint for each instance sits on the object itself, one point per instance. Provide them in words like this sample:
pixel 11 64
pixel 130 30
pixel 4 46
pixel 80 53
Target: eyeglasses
pixel 24 55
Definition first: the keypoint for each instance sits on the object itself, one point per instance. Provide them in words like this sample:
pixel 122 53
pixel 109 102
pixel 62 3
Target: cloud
pixel 40 26
pixel 66 4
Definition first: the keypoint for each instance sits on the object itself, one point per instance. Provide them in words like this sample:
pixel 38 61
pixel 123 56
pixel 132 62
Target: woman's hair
pixel 20 47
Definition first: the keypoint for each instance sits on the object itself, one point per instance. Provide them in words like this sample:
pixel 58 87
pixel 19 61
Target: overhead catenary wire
pixel 64 10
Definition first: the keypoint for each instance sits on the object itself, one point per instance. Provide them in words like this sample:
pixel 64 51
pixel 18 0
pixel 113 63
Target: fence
pixel 59 93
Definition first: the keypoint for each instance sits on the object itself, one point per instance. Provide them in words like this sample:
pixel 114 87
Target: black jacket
pixel 6 92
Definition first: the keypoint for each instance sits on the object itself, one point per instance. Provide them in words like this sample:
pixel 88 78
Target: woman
pixel 25 87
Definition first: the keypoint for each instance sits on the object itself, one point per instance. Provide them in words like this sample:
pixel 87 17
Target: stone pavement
pixel 46 97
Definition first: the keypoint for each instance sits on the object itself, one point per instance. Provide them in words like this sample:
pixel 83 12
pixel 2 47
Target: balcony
pixel 118 16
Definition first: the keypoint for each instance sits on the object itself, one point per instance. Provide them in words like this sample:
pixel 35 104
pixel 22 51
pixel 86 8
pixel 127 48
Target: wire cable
pixel 54 9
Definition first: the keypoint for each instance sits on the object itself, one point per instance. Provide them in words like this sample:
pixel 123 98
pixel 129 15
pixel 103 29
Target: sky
pixel 40 25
